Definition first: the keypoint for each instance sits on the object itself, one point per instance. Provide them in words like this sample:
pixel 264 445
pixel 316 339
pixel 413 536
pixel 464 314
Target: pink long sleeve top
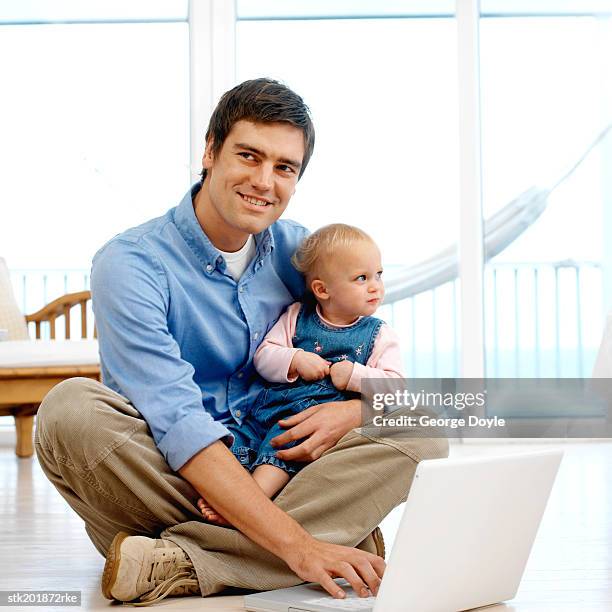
pixel 273 357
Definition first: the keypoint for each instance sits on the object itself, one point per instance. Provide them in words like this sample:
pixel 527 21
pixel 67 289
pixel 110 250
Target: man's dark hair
pixel 260 101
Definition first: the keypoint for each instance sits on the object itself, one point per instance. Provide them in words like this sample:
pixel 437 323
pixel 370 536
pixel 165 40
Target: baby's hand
pixel 308 366
pixel 341 373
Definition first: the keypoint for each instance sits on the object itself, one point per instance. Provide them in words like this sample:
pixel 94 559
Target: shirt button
pixel 238 413
pixel 255 335
pixel 241 289
pixel 240 374
pixel 209 268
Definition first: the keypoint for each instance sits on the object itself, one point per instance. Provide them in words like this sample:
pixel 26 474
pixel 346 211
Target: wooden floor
pixel 43 544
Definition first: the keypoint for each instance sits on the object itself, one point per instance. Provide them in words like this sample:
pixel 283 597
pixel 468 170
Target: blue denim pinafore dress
pixel 281 400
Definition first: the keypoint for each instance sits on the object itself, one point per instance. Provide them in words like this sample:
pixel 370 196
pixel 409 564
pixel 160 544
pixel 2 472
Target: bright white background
pixel 95 131
pixel 94 124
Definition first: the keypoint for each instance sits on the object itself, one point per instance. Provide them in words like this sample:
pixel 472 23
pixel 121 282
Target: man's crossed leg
pixel 97 450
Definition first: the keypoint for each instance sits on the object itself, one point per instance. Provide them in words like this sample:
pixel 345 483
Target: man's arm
pixel 140 357
pixel 240 500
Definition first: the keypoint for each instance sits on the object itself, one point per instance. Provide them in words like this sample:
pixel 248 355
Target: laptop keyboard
pixel 350 602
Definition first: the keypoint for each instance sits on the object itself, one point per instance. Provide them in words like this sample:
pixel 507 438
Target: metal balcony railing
pixel 542 319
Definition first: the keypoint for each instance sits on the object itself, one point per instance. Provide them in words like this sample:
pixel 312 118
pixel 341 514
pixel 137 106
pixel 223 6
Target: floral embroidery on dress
pixel 317 347
pixel 359 349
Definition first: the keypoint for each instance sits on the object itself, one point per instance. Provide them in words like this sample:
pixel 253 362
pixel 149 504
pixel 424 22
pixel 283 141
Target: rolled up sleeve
pixel 141 359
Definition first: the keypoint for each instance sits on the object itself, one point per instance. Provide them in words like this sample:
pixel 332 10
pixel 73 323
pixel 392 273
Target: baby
pixel 319 349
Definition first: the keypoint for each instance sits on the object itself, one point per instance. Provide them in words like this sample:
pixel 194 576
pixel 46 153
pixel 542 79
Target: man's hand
pixel 322 426
pixel 238 498
pixel 341 373
pixel 320 562
pixel 308 366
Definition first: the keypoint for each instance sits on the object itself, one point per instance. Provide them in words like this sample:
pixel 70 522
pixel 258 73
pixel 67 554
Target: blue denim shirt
pixel 177 334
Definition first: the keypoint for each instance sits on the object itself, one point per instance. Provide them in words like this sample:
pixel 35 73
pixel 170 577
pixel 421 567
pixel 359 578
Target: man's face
pixel 250 181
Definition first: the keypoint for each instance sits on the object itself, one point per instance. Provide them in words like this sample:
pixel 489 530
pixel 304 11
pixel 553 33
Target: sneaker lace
pixel 181 580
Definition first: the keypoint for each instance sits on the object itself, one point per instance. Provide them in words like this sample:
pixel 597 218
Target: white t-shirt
pixel 238 261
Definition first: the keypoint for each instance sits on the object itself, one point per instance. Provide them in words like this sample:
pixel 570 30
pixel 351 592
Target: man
pixel 182 303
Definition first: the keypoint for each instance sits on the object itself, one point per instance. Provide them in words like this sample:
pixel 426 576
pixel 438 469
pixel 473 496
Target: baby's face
pixel 353 279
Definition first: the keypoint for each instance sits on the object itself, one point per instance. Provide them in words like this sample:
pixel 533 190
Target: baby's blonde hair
pixel 317 247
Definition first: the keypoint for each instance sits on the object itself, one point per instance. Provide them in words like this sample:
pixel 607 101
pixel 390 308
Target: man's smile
pixel 254 200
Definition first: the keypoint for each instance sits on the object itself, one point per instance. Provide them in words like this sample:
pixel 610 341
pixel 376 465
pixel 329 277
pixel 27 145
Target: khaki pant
pixel 97 450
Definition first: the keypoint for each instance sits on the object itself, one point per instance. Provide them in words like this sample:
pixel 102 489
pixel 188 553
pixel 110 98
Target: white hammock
pixel 500 230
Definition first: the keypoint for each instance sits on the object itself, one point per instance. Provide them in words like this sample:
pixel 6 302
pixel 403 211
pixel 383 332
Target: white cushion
pixel 11 317
pixel 48 353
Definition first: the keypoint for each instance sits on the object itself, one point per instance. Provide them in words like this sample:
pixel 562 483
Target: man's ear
pixel 208 158
pixel 317 286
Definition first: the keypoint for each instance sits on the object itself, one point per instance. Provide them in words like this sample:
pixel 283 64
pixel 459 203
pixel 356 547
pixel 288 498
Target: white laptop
pixel 463 540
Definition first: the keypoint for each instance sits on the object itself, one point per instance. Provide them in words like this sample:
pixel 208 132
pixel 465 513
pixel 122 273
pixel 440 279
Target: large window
pixel 543 104
pixel 382 83
pixel 383 94
pixel 94 122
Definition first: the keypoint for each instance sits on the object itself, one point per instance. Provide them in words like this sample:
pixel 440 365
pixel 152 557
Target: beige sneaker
pixel 148 569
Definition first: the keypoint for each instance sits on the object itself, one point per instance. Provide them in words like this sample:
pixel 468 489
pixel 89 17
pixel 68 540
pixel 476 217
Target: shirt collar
pixel 334 325
pixel 188 226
